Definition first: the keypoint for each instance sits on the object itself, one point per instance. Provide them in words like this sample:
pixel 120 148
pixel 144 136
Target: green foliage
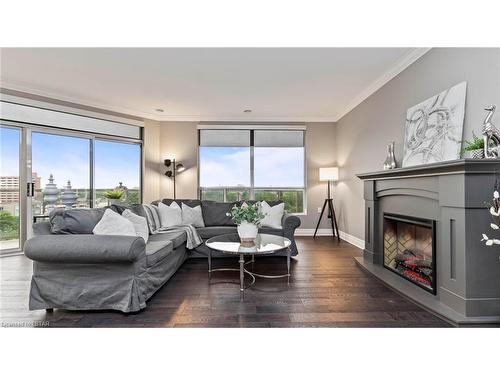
pixel 246 212
pixel 9 226
pixel 294 199
pixel 475 144
pixel 114 194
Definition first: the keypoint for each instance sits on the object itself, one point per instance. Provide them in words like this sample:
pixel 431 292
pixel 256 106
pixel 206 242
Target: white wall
pixel 180 140
pixel 363 133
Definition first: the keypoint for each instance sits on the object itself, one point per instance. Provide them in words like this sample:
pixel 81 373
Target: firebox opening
pixel 409 249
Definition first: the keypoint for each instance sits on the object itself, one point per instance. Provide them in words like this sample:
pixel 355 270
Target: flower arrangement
pixel 114 194
pixel 249 213
pixel 495 212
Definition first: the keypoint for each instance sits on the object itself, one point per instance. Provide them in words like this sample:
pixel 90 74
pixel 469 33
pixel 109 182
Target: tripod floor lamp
pixel 329 174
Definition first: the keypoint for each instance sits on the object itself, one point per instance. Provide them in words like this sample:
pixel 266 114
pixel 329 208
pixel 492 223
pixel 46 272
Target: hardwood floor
pixel 327 289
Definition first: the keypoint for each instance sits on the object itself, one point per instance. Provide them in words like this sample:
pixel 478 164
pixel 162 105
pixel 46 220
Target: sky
pixel 67 158
pixel 230 166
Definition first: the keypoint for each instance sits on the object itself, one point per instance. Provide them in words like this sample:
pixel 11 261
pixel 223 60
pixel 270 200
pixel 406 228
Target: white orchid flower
pixel 494 212
pixel 496 242
pixel 494 226
pixel 496 195
pixel 485 238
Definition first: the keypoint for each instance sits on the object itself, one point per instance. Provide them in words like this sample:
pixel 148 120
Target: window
pixel 62 160
pixel 253 164
pixel 117 166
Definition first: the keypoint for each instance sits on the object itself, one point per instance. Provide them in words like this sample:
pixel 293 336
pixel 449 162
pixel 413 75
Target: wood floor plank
pixel 327 289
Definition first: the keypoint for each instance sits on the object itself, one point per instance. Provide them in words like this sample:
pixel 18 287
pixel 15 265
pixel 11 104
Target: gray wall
pixel 363 133
pixel 180 140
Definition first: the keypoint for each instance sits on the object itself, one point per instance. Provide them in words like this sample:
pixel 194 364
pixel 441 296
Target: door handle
pixel 30 189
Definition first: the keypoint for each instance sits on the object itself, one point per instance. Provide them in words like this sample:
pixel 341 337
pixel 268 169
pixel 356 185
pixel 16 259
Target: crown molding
pixel 401 64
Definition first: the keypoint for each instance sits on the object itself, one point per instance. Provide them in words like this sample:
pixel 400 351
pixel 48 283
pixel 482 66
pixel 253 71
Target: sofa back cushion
pixel 75 221
pixel 137 209
pixel 214 213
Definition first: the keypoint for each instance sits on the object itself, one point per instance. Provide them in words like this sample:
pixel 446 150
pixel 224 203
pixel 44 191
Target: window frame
pixel 252 189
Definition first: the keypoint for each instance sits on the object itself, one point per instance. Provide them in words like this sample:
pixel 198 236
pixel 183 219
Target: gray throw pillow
pixel 214 213
pixel 75 221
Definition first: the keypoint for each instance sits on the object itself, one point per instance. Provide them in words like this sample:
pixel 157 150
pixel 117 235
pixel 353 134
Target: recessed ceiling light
pixel 159 110
pixel 247 111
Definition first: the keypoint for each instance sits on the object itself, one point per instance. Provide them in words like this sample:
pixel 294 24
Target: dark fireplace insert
pixel 410 249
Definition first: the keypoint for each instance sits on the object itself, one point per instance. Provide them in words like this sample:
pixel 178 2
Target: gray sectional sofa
pixel 76 270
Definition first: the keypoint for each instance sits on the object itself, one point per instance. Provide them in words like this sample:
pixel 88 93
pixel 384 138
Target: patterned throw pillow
pixel 192 215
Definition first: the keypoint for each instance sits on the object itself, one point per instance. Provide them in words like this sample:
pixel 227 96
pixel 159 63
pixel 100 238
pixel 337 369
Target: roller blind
pixel 225 138
pixel 66 120
pixel 278 138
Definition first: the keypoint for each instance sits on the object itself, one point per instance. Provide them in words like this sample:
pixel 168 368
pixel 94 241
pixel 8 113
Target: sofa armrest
pixel 84 248
pixel 290 223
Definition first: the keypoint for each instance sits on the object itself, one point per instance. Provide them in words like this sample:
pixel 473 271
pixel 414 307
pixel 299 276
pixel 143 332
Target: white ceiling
pixel 203 84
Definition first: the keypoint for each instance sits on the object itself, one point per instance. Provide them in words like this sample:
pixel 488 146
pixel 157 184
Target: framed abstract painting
pixel 434 127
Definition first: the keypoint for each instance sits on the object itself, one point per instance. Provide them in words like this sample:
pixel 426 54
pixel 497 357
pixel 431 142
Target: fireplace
pixel 409 249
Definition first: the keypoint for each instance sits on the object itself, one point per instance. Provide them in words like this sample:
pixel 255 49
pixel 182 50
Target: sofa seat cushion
pixel 156 251
pixel 209 232
pixel 177 239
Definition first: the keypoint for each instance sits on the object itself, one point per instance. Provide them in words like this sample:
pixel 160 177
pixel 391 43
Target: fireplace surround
pixel 453 273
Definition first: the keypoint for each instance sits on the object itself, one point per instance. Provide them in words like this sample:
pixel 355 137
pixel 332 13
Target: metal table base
pixel 242 270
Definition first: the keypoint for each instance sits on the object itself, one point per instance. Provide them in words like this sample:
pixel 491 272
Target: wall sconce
pixel 173 169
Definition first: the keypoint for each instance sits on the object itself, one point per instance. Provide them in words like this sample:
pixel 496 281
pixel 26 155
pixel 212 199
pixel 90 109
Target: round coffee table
pixel 263 244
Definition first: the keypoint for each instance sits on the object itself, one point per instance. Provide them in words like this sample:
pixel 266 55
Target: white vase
pixel 114 201
pixel 247 231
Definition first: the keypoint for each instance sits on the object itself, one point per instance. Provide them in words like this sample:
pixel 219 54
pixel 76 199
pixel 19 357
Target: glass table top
pixel 263 244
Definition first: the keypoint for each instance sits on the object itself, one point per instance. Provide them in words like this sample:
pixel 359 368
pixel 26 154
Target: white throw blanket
pixel 193 238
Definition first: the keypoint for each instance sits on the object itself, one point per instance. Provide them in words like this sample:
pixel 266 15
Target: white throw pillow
pixel 140 224
pixel 112 223
pixel 192 215
pixel 273 215
pixel 170 216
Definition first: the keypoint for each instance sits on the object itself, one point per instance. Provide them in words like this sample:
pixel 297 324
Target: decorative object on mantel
pixel 173 169
pixel 433 129
pixel 247 217
pixel 329 174
pixel 390 161
pixel 491 135
pixel 475 147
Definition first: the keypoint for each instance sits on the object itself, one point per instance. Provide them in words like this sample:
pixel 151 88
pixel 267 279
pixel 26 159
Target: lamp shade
pixel 329 174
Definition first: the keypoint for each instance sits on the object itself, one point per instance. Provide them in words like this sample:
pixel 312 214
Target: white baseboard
pixel 358 242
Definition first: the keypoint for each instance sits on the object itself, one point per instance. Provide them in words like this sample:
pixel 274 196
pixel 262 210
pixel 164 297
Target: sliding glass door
pixel 60 173
pixel 117 167
pixel 10 189
pixel 43 169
